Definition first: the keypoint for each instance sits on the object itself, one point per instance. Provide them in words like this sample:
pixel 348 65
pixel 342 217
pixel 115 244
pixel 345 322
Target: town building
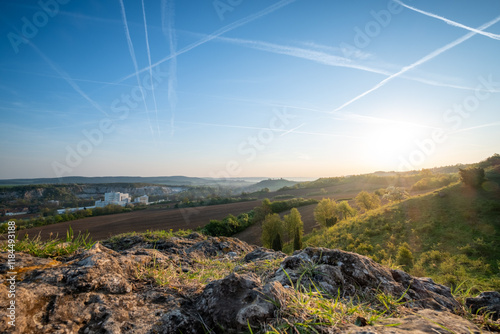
pixel 114 198
pixel 144 199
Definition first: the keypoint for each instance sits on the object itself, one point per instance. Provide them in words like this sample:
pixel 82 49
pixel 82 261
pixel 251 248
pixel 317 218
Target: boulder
pixel 486 302
pixel 243 303
pixel 332 271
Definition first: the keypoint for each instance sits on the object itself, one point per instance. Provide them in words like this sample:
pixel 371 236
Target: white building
pixel 114 198
pixel 144 199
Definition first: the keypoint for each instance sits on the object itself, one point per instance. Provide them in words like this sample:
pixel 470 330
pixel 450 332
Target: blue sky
pixel 246 88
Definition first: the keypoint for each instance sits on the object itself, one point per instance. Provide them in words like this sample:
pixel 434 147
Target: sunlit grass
pixel 54 246
pixel 452 235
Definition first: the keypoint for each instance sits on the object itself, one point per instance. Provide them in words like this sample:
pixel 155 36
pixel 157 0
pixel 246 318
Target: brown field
pixel 102 227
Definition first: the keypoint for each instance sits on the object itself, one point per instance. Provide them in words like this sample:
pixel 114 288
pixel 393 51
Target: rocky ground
pixel 198 284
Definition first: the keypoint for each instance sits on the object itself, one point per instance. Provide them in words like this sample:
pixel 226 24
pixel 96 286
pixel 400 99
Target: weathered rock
pixel 334 271
pixel 486 302
pixel 178 321
pixel 243 300
pixel 100 269
pixel 100 291
pixel 261 253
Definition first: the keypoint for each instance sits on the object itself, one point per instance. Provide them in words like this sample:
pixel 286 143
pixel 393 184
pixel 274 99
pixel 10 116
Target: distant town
pixel 111 198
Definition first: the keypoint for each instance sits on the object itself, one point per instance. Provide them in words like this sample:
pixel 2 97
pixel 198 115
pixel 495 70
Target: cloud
pixel 419 62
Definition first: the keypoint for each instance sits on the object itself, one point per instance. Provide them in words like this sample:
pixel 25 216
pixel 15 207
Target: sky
pixel 246 88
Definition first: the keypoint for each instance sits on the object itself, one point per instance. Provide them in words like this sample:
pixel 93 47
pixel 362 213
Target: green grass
pixel 453 235
pixel 54 247
pixel 148 236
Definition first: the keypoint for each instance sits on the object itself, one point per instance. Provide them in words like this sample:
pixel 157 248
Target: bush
pixel 405 256
pixel 472 176
pixel 228 226
pixel 433 182
pixel 280 206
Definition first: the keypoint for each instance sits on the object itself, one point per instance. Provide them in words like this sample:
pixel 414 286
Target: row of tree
pixel 277 231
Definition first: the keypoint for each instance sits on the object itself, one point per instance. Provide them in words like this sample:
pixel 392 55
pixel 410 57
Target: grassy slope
pixel 453 235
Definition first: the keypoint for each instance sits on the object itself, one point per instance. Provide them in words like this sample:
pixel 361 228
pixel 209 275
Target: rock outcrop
pixel 135 285
pixel 487 302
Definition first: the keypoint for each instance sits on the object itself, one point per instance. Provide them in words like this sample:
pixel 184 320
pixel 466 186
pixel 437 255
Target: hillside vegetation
pixel 451 234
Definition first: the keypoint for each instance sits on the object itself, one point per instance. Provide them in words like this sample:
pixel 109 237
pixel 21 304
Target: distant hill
pixel 271 184
pixel 163 180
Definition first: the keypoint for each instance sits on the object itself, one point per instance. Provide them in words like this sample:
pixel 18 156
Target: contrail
pixel 293 130
pixel 149 62
pixel 326 59
pixel 134 60
pixel 450 22
pixel 217 33
pixel 168 19
pixel 420 62
pixel 476 127
pixel 316 56
pixel 326 134
pixel 67 78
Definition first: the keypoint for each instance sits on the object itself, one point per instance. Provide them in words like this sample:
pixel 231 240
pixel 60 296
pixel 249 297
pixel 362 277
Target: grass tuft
pixel 54 247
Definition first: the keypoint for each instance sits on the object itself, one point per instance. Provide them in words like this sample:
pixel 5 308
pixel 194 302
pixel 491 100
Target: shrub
pixel 405 256
pixel 472 176
pixel 228 226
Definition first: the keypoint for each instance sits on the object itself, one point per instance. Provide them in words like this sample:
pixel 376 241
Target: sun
pixel 385 143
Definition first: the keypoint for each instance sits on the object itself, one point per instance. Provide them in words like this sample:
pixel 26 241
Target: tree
pixel 277 243
pixel 395 194
pixel 271 227
pixel 326 209
pixel 297 239
pixel 472 176
pixel 331 221
pixel 344 210
pixel 262 211
pixel 367 201
pixel 426 172
pixel 292 221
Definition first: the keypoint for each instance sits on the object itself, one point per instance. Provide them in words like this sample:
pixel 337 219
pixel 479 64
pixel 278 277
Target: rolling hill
pixel 451 234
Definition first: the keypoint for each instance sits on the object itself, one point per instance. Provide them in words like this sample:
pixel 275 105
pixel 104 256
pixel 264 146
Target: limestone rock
pixel 242 299
pixel 100 290
pixel 486 302
pixel 336 271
